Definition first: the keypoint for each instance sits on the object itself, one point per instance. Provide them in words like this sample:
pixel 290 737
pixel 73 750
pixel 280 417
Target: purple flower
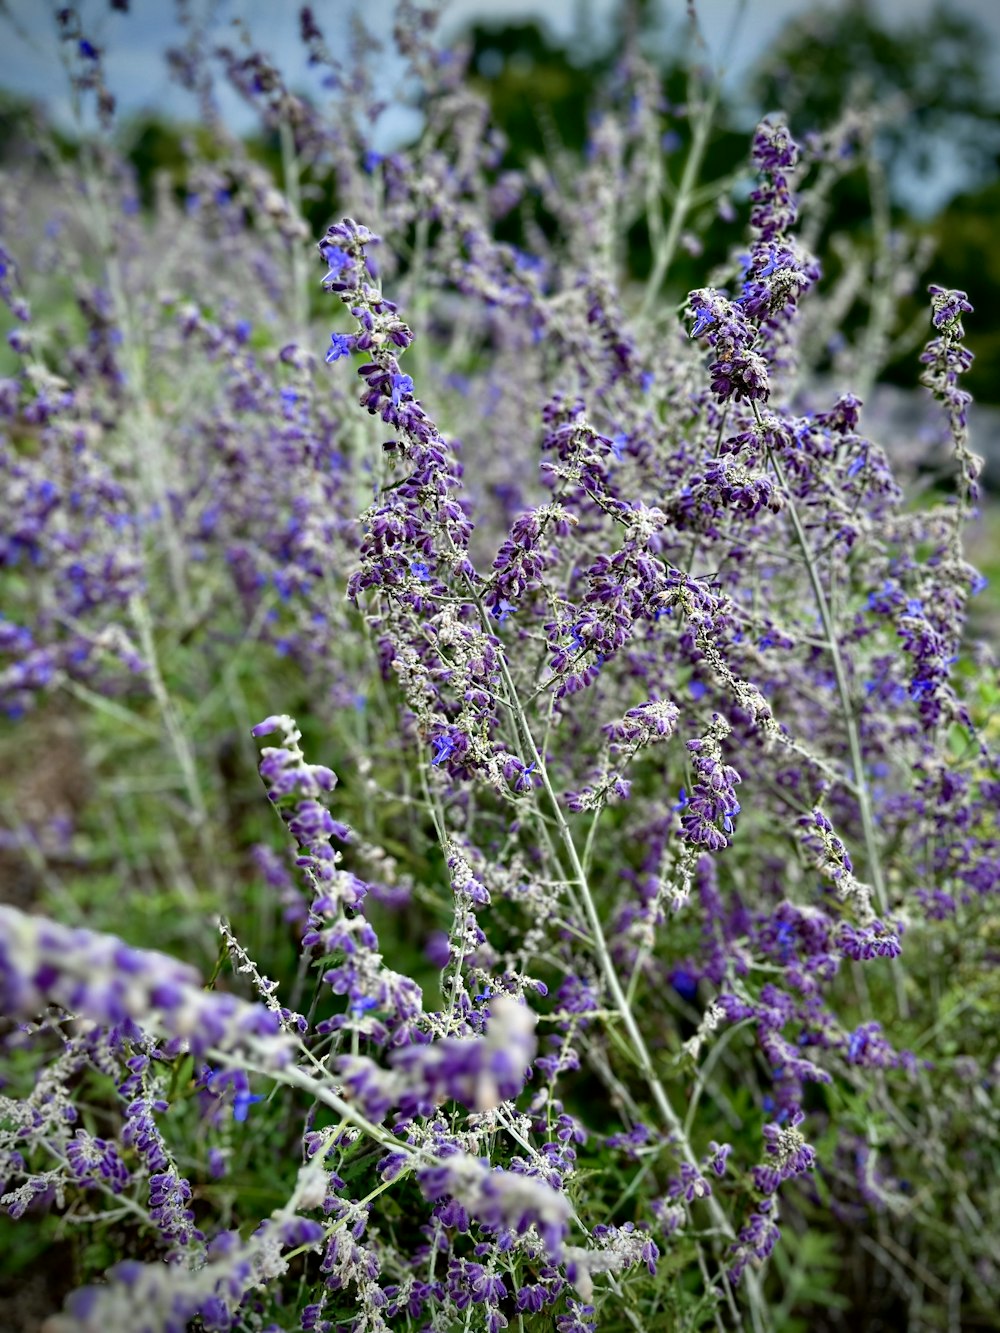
pixel 445 746
pixel 96 1161
pixel 949 307
pixel 479 1072
pixel 402 387
pixel 98 978
pixel 340 345
pixel 338 261
pixel 501 1200
pixel 684 982
pixel 704 318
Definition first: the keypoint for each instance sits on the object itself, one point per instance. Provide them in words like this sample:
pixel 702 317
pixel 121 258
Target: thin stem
pixel 175 730
pixel 146 434
pixel 685 197
pixel 883 299
pixel 861 790
pixel 293 193
pixel 639 1048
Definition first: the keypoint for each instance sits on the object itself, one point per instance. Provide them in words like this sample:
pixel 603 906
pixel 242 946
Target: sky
pixel 737 33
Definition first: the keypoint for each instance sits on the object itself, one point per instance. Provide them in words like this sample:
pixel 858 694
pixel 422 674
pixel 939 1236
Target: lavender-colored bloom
pixel 756 1240
pixel 96 1161
pixel 340 345
pixel 168 1297
pixel 775 155
pixel 103 981
pixel 949 307
pixel 787 1155
pixel 580 1318
pixel 872 941
pixel 479 1072
pixel 501 1201
pixel 338 260
pixel 402 387
pixel 718 1156
pixel 944 360
pixel 169 1197
pixel 713 796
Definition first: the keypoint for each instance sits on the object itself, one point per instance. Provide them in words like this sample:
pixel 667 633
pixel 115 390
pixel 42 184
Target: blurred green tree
pixel 933 69
pixel 927 79
pixel 544 96
pixel 940 118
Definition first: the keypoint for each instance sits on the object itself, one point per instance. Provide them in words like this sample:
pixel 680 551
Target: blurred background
pixel 926 74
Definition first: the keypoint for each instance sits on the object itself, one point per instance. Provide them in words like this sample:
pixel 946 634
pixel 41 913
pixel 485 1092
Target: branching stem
pixel 860 786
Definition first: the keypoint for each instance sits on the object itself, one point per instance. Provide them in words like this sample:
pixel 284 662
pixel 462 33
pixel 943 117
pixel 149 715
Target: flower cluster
pixel 140 1295
pixel 502 1202
pixel 945 359
pixel 106 983
pixel 479 1072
